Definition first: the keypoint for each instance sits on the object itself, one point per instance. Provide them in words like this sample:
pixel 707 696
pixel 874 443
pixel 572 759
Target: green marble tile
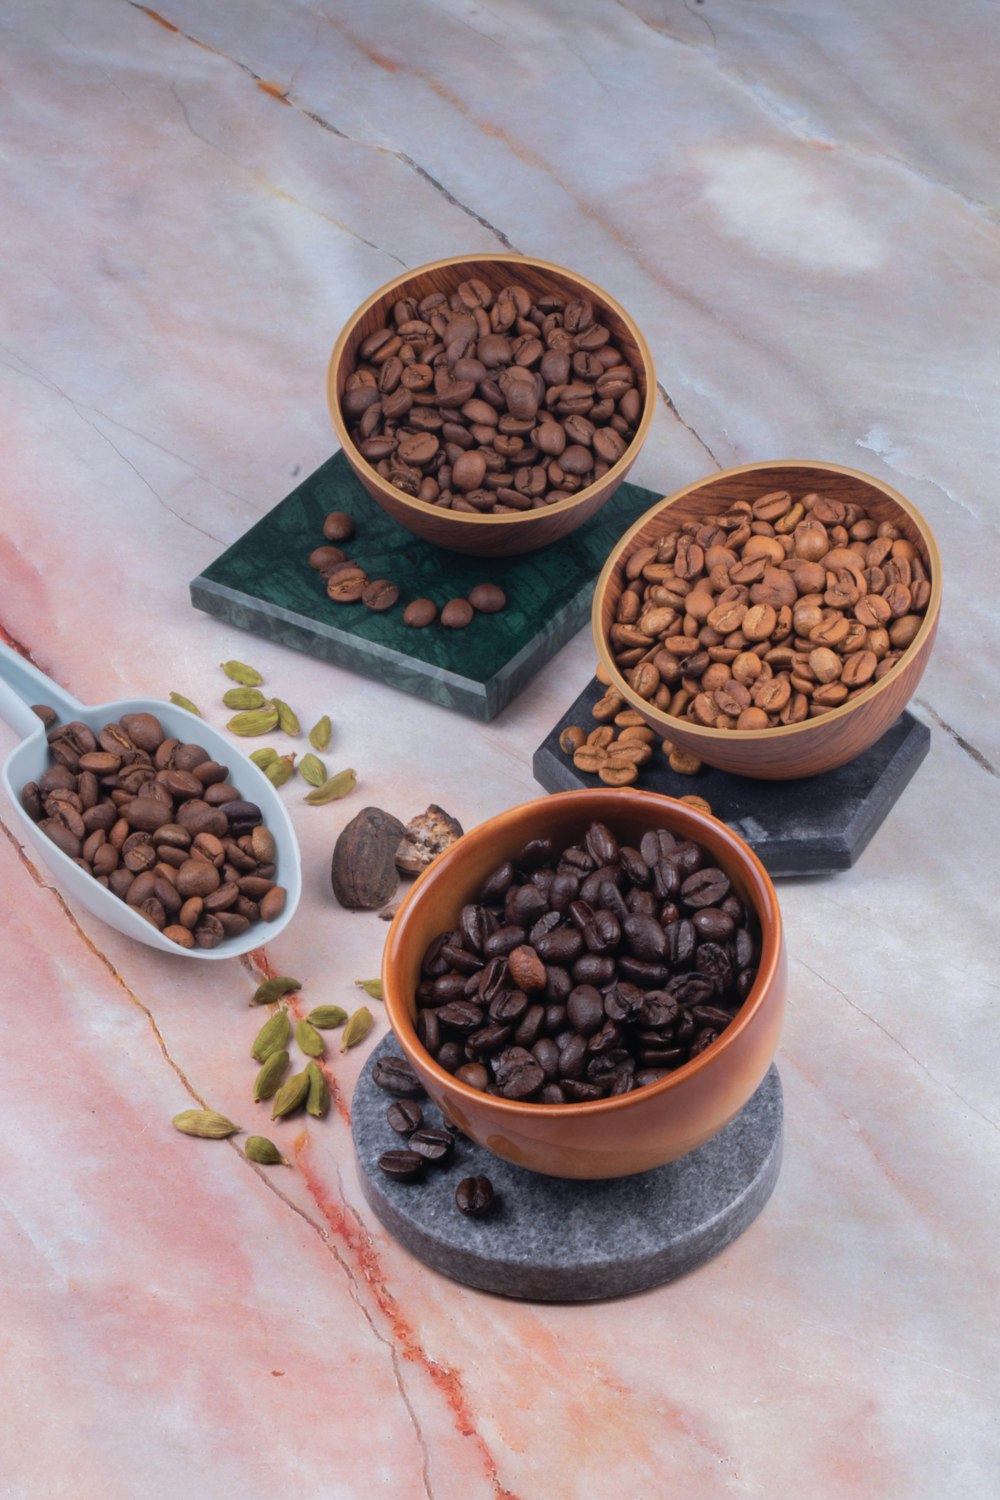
pixel 263 583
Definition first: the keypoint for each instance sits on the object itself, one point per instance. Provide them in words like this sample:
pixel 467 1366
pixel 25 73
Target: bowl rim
pixel 768 970
pixel 613 476
pixel 783 731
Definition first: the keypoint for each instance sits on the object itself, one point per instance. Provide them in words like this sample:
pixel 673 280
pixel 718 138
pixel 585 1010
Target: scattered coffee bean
pixel 492 399
pixel 419 613
pixel 638 958
pixel 405 1116
pixel 380 595
pixel 488 598
pixel 432 1143
pixel 338 526
pixel 404 1166
pixel 363 869
pixel 456 614
pixel 474 1196
pixel 777 611
pixel 154 820
pixel 396 1076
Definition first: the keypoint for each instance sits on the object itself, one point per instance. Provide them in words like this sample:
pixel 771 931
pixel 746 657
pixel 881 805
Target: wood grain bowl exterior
pixel 488 535
pixel 632 1132
pixel 816 745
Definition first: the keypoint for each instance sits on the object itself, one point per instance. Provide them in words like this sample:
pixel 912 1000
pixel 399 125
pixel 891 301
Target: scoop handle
pixel 21 685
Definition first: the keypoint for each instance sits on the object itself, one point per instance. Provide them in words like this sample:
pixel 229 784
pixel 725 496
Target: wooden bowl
pixel 488 535
pixel 628 1133
pixel 815 745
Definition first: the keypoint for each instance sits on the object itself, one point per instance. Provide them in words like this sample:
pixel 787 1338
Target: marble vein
pixel 940 1082
pixel 977 756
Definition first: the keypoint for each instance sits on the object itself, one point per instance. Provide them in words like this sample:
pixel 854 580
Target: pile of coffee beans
pixel 492 401
pixel 156 821
pixel 773 613
pixel 589 971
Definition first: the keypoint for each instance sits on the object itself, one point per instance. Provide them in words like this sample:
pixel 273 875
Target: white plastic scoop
pixel 21 684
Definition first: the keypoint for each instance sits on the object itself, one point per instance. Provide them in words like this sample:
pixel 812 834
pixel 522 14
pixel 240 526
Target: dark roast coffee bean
pixel 474 1197
pixel 517 1073
pixel 402 1166
pixel 428 1029
pixel 396 1075
pixel 627 984
pixel 474 1074
pixel 432 1143
pixel 404 1116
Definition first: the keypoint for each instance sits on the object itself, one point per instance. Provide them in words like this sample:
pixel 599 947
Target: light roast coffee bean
pixel 777 611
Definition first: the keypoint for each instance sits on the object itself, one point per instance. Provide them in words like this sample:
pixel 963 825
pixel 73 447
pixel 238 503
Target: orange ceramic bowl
pixel 631 1132
pixel 815 745
pixel 488 535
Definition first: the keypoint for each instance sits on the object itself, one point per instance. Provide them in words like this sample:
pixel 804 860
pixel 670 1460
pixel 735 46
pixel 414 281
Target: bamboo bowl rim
pixel 783 731
pixel 611 479
pixel 739 859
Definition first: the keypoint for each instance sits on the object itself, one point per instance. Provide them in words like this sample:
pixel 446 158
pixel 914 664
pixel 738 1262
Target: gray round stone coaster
pixel 550 1239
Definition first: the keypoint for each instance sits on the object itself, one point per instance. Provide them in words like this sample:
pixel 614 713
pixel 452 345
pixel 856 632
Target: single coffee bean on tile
pixel 404 1116
pixel 420 613
pixel 433 1143
pixel 338 526
pixel 474 1197
pixel 379 595
pixel 487 598
pixel 402 1165
pixel 456 614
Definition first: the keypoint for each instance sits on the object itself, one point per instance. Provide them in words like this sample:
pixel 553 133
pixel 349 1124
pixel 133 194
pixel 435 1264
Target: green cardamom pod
pixel 313 770
pixel 267 1080
pixel 272 1036
pixel 288 721
pixel 263 757
pixel 264 1152
pixel 182 702
pixel 273 989
pixel 205 1123
pixel 327 1017
pixel 238 671
pixel 357 1028
pixel 280 770
pixel 291 1095
pixel 319 734
pixel 318 1097
pixel 244 698
pixel 254 721
pixel 309 1040
pixel 371 987
pixel 337 786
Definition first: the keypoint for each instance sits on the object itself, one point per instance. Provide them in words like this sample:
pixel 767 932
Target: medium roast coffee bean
pixel 128 806
pixel 338 526
pixel 420 613
pixel 488 598
pixel 496 406
pixel 602 998
pixel 456 614
pixel 380 595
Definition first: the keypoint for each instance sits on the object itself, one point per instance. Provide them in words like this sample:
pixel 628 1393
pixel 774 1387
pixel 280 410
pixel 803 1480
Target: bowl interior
pixel 716 494
pixel 456 876
pixel 541 278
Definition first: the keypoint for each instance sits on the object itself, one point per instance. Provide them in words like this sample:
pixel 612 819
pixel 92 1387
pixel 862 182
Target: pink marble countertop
pixel 799 206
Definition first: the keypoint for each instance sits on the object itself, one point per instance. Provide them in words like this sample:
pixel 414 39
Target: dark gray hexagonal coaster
pixel 549 1239
pixel 816 826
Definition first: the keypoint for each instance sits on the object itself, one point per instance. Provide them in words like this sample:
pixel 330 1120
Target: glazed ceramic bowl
pixel 629 1133
pixel 489 535
pixel 818 744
